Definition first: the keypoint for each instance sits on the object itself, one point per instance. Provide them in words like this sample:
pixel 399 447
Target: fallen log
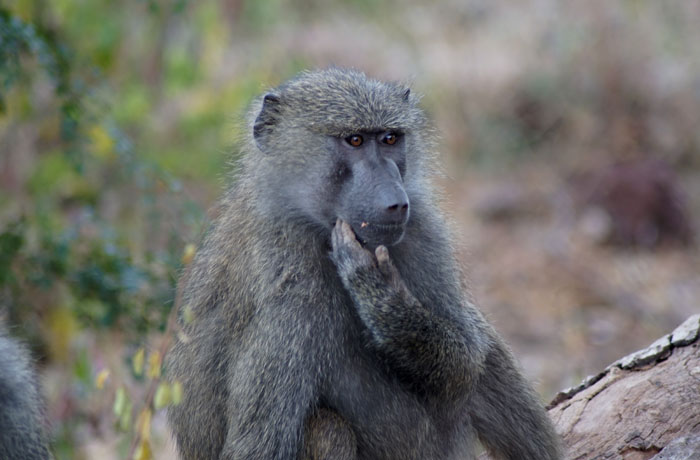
pixel 645 406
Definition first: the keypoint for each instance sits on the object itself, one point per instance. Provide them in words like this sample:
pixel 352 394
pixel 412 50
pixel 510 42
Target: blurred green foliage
pixel 87 219
pixel 59 249
pixel 91 228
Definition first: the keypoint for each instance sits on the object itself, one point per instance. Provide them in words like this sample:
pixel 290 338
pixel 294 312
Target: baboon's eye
pixel 355 140
pixel 390 139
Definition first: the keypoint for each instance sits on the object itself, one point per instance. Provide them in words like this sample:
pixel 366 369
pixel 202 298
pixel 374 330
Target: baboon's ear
pixel 266 120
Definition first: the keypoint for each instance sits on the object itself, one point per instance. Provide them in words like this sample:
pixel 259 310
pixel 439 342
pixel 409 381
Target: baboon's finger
pixel 348 234
pixel 386 266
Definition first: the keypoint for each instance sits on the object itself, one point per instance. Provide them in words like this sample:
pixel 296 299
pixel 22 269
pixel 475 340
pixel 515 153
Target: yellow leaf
pixel 163 396
pixel 187 314
pixel 137 361
pixel 177 393
pixel 62 327
pixel 125 419
pixel 154 365
pixel 102 142
pixel 120 402
pixel 188 253
pixel 101 378
pixel 144 424
pixel 143 451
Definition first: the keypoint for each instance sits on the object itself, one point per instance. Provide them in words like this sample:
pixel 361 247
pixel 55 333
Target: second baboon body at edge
pixel 288 344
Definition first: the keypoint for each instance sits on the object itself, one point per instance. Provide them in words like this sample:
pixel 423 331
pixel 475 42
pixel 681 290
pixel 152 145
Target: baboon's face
pixel 335 147
pixel 367 174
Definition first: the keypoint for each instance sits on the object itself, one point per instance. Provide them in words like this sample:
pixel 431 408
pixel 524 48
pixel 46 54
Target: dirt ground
pixel 567 305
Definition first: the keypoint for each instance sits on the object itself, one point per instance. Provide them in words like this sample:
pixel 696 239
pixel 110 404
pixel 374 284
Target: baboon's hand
pixel 388 270
pixel 349 256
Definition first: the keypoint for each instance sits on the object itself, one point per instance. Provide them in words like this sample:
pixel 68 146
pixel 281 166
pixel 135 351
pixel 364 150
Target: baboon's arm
pixel 439 351
pixel 506 412
pixel 271 388
pixel 446 352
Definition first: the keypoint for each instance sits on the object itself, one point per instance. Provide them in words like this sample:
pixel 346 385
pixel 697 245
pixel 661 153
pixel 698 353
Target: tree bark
pixel 644 406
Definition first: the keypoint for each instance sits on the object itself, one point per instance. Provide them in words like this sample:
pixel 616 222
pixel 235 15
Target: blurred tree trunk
pixel 644 406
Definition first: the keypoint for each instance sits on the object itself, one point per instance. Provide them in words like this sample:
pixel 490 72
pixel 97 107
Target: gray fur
pixel 327 436
pixel 22 433
pixel 297 326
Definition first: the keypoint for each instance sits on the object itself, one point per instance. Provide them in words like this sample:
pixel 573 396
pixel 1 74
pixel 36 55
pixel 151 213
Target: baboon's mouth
pixel 372 235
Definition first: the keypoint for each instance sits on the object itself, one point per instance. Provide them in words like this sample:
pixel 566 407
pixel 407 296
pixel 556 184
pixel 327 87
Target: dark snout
pixel 386 202
pixel 382 207
pixel 391 205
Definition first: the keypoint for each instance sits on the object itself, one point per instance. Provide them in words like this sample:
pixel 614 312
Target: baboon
pixel 22 433
pixel 324 315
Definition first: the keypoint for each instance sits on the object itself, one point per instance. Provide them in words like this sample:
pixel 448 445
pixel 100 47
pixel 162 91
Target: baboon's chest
pixel 389 421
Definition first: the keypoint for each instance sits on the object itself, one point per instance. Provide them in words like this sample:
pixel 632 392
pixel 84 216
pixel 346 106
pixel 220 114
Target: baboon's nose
pixel 395 208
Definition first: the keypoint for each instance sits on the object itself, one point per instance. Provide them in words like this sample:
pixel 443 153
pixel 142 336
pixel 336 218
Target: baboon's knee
pixel 328 437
